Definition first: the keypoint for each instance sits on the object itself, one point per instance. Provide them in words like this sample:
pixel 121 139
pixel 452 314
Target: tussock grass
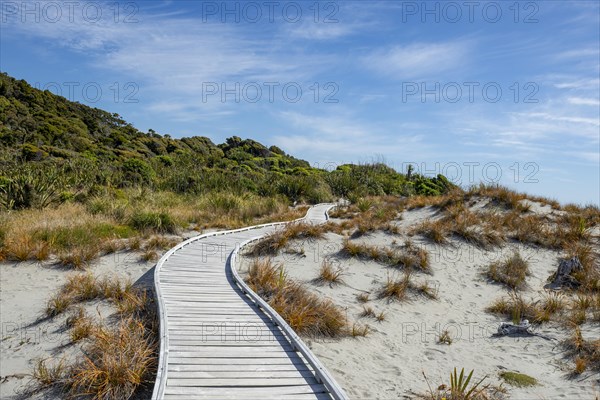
pixel 81 327
pixel 116 359
pixel 445 338
pixel 368 312
pixel 149 255
pixel 463 224
pixel 48 374
pixel 306 313
pixel 79 258
pixel 78 233
pixel 589 277
pixel 511 271
pixel 395 289
pixel 57 304
pixel 585 353
pixel 116 362
pixel 515 307
pixel 150 221
pixel 358 330
pixel 409 257
pixel 160 243
pixel 273 243
pixel 399 289
pixel 435 230
pixel 83 287
pixel 363 298
pixel 329 274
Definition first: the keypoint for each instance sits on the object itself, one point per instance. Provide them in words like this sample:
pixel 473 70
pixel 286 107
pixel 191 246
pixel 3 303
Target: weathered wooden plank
pixel 207 375
pixel 247 382
pixel 229 361
pixel 244 392
pixel 231 351
pixel 237 369
pixel 232 355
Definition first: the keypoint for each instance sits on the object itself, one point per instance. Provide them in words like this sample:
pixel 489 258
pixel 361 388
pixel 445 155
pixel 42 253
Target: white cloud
pixel 417 59
pixel 583 101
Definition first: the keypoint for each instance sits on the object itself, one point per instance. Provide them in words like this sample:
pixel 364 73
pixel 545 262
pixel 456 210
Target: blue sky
pixel 502 91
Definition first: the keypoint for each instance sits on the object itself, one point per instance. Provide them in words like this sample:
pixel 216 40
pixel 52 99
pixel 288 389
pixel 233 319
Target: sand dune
pixel 389 363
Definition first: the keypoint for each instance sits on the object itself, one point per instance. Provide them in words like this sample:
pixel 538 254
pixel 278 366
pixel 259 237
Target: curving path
pixel 219 340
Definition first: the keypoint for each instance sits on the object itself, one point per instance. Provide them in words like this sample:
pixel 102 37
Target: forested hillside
pixel 53 150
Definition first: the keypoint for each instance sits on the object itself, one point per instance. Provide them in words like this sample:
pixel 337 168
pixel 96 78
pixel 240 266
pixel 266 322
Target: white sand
pixel 388 364
pixel 24 291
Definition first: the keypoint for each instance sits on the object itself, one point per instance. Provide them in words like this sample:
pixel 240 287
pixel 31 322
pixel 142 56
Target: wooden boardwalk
pixel 219 340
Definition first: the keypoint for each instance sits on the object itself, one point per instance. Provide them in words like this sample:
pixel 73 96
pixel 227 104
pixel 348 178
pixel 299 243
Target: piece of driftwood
pixel 563 277
pixel 506 328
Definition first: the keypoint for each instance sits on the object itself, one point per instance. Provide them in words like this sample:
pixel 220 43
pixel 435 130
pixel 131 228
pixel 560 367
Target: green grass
pixel 157 222
pixel 518 379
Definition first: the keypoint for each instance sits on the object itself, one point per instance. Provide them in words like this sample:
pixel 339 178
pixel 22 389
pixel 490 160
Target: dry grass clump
pixel 464 224
pixel 116 362
pixel 85 286
pixel 378 218
pixel 586 353
pixel 395 289
pixel 79 257
pixel 435 230
pixel 343 212
pixel 81 327
pixel 47 375
pixel 113 245
pixel 454 196
pixel 399 289
pixel 363 298
pixel 588 278
pixel 329 274
pixel 516 308
pixel 501 196
pixel 273 243
pixel 78 233
pixel 511 271
pixel 409 257
pixel 306 313
pixel 149 255
pixel 368 312
pixel 116 359
pixel 358 330
pixel 69 232
pixel 445 338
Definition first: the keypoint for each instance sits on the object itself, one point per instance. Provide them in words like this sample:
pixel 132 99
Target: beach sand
pixel 27 336
pixel 389 363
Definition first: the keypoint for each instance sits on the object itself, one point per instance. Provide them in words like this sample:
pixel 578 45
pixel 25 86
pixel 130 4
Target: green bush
pixel 138 171
pixel 158 222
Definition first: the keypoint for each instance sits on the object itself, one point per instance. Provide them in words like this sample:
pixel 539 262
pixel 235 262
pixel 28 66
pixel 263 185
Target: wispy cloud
pixel 417 59
pixel 582 101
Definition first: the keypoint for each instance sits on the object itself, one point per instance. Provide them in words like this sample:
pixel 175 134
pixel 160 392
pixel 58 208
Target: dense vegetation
pixel 53 150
